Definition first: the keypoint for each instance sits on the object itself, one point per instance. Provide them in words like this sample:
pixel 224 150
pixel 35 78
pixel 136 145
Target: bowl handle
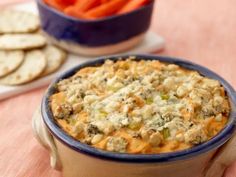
pixel 43 136
pixel 224 157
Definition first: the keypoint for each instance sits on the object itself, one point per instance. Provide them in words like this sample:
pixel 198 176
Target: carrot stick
pixel 55 4
pixel 66 2
pixel 106 9
pixel 132 5
pixel 59 4
pixel 105 1
pixel 72 11
pixel 85 5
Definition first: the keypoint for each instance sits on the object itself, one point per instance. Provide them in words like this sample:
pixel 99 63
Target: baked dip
pixel 140 107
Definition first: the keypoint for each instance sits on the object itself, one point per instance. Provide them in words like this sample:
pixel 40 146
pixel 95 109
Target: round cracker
pixel 21 41
pixel 33 65
pixel 10 61
pixel 55 58
pixel 13 21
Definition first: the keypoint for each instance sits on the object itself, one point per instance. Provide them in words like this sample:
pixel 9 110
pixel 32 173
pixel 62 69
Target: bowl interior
pixel 212 144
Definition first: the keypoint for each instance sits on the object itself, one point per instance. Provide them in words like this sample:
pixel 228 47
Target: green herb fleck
pixel 166 133
pixel 112 88
pixel 73 121
pixel 149 101
pixel 164 96
pixel 134 125
pixel 102 114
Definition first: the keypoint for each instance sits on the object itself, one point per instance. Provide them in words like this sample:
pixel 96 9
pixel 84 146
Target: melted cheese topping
pixel 140 107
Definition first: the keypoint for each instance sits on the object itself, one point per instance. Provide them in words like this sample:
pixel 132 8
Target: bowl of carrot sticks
pixel 95 27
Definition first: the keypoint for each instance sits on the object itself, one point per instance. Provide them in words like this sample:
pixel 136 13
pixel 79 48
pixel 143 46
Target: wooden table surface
pixel 203 31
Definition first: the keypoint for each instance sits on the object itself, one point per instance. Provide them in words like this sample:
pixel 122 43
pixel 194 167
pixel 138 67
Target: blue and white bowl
pixel 95 37
pixel 76 159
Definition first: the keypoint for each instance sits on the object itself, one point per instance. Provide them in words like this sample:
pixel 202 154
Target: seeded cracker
pixel 55 58
pixel 21 41
pixel 33 65
pixel 10 61
pixel 12 21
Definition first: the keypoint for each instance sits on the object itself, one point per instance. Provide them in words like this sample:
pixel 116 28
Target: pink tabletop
pixel 10 2
pixel 202 31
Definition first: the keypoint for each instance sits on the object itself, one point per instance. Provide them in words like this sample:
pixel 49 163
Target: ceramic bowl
pixel 95 37
pixel 80 160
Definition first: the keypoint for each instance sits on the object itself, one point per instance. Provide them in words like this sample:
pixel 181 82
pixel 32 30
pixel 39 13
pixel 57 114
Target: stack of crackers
pixel 25 54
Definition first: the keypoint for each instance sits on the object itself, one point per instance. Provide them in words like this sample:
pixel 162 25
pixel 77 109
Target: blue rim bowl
pixel 94 33
pixel 212 144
